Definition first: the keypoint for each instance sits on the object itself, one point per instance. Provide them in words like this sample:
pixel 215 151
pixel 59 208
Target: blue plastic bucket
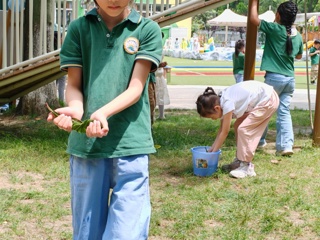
pixel 204 163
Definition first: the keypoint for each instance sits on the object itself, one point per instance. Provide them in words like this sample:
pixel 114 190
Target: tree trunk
pixel 34 102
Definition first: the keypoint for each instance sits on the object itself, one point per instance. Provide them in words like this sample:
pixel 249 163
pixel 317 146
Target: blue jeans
pixel 110 198
pixel 238 77
pixel 284 86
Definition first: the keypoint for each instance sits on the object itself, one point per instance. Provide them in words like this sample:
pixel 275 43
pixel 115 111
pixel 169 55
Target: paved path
pixel 185 96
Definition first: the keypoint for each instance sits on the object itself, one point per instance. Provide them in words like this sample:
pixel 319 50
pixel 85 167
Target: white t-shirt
pixel 244 96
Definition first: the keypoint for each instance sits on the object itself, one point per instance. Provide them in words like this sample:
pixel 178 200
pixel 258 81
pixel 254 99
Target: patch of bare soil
pixel 22 181
pixel 26 182
pixel 6 120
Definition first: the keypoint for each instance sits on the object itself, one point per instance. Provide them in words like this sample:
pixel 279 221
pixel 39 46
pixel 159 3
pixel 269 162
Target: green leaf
pixel 77 125
pixel 81 126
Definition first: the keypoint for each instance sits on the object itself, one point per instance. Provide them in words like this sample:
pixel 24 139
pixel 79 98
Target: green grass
pixel 301 81
pixel 281 202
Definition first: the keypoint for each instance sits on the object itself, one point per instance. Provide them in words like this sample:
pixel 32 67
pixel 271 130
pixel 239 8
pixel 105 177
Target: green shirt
pixel 315 57
pixel 107 59
pixel 152 77
pixel 275 58
pixel 238 63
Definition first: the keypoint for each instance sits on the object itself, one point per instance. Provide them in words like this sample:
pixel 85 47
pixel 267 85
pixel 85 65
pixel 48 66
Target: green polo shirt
pixel 275 58
pixel 152 77
pixel 238 63
pixel 107 59
pixel 314 58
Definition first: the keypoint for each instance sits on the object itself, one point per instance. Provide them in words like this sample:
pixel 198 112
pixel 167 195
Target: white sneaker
pixel 245 169
pixel 284 153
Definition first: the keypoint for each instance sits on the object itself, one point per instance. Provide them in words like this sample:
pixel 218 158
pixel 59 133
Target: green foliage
pixel 199 21
pixel 242 8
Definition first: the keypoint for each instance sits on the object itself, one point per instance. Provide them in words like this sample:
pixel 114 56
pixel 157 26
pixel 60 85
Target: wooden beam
pixel 20 75
pixel 33 80
pixel 187 12
pixel 45 81
pixel 251 43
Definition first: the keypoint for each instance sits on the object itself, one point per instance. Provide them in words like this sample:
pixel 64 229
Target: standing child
pixel 314 54
pixel 108 55
pixel 162 93
pixel 184 44
pixel 252 103
pixel 283 44
pixel 238 60
pixel 176 44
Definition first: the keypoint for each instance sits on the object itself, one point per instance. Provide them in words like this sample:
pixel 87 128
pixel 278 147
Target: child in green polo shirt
pixel 108 55
pixel 238 60
pixel 283 45
pixel 314 54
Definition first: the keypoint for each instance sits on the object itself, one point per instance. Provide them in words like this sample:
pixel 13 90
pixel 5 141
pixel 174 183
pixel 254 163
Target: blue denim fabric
pixel 126 215
pixel 238 77
pixel 284 86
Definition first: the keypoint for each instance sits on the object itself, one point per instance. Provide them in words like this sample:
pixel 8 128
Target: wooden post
pixel 251 43
pixel 316 123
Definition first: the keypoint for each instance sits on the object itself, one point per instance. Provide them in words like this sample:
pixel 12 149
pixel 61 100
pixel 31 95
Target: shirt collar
pixel 134 16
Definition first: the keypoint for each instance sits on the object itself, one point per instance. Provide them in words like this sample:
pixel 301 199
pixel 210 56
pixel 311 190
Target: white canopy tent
pixel 268 16
pixel 228 18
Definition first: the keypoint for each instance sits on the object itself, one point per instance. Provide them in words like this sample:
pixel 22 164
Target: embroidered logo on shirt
pixel 131 45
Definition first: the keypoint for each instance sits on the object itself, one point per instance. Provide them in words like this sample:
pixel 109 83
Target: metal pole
pixel 11 32
pixel 5 26
pixel 251 40
pixel 307 61
pixel 30 29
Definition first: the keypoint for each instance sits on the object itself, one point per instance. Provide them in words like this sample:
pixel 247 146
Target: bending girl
pixel 252 103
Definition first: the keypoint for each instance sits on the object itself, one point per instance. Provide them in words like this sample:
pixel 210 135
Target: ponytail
pixel 207 101
pixel 288 12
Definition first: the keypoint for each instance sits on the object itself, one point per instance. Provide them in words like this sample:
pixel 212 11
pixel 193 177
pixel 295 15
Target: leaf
pixel 77 125
pixel 81 126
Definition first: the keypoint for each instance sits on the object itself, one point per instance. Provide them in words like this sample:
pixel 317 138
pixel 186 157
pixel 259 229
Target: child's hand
pixel 162 64
pixel 64 119
pixel 99 127
pixel 209 149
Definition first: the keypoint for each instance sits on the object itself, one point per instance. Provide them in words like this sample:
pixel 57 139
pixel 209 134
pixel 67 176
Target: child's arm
pixel 129 97
pixel 74 99
pixel 314 53
pixel 223 132
pixel 254 16
pixel 299 55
